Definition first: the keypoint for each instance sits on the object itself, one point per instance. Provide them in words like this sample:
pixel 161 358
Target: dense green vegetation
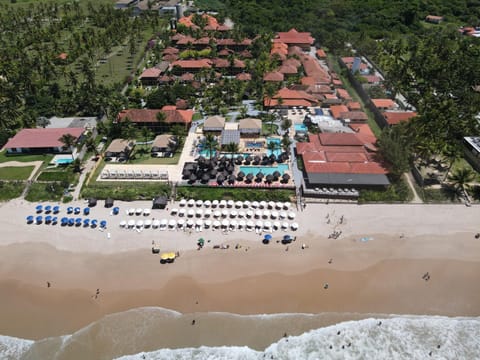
pixel 11 189
pixel 207 193
pixel 127 191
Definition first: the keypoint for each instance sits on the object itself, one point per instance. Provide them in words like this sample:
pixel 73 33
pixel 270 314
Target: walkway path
pixel 416 199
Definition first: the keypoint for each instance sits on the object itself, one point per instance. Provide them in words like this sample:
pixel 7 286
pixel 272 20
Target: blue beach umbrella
pixel 78 221
pixel 48 219
pixel 39 219
pixel 54 220
pixel 76 210
pixel 64 221
pixel 86 211
pixel 94 223
pixel 71 222
pixel 116 210
pixel 48 209
pixel 30 219
pixel 103 224
pixel 56 209
pixel 86 222
pixel 266 239
pixel 39 208
pixel 69 210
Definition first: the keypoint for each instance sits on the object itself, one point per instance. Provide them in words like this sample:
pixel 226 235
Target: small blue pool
pixel 278 150
pixel 206 153
pixel 254 144
pixel 301 128
pixel 266 170
pixel 63 161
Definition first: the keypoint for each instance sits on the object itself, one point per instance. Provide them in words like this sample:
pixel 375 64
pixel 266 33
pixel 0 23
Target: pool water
pixel 278 150
pixel 63 161
pixel 254 144
pixel 266 170
pixel 206 153
pixel 301 128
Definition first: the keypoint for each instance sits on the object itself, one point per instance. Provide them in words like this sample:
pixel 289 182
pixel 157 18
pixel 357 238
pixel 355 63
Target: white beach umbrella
pixel 131 211
pixel 259 224
pixel 214 203
pixel 182 202
pixel 276 225
pixel 258 214
pixel 181 212
pixel 207 213
pixel 139 223
pixel 207 223
pixel 189 222
pixel 180 222
pixel 246 204
pixel 147 223
pixel 242 224
pixel 291 215
pixel 216 224
pixel 230 203
pixel 199 212
pixel 285 225
pixel 238 204
pixel 222 203
pixel 199 203
pixel 191 213
pixel 163 222
pixel 274 214
pixel 233 214
pixel 172 223
pixel 266 214
pixel 123 223
pixel 249 214
pixel 241 214
pixel 207 203
pixel 225 223
pixel 250 224
pixel 233 224
pixel 262 204
pixel 294 226
pixel 255 204
pixel 174 211
pixel 283 215
pixel 271 204
pixel 217 214
pixel 267 225
pixel 146 212
pixel 279 205
pixel 156 223
pixel 191 202
pixel 131 223
pixel 286 205
pixel 139 211
pixel 199 222
pixel 225 213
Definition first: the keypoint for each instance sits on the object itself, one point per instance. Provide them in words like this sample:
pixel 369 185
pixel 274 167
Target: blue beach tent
pixel 30 219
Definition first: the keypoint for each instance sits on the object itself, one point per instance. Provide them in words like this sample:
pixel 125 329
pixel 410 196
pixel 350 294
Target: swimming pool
pixel 206 153
pixel 254 144
pixel 278 150
pixel 266 170
pixel 301 128
pixel 63 161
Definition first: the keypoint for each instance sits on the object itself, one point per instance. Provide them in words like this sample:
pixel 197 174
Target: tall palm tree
pixel 91 146
pixel 161 117
pixel 210 143
pixel 232 149
pixel 68 141
pixel 460 179
pixel 272 146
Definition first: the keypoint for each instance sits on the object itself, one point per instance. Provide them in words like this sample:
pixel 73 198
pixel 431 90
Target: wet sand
pixel 381 275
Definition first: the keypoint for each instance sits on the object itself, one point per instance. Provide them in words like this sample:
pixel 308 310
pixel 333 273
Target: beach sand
pixel 380 275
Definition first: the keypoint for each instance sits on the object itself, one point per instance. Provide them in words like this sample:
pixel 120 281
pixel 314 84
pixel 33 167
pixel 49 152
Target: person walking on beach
pixel 48 284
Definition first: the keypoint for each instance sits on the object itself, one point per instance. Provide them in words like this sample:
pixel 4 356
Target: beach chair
pixel 147 175
pixel 105 174
pixel 138 174
pixel 155 174
pixel 130 174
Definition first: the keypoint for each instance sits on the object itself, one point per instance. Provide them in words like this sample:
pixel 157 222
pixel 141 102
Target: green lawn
pixel 65 175
pixel 45 192
pixel 15 172
pixel 197 116
pixel 268 129
pixel 24 158
pixel 141 155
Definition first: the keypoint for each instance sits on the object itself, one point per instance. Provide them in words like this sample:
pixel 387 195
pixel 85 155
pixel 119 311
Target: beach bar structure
pixel 160 202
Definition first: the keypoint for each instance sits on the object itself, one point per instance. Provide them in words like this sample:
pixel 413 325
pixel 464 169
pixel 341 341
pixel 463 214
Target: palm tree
pixel 210 144
pixel 91 146
pixel 161 117
pixel 272 146
pixel 232 149
pixel 286 142
pixel 460 179
pixel 286 124
pixel 68 141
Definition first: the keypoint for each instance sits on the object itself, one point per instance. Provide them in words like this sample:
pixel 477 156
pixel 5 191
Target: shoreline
pixel 379 275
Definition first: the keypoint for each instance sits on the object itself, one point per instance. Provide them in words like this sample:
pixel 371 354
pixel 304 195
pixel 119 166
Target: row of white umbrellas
pixel 226 224
pixel 236 204
pixel 241 214
pixel 138 211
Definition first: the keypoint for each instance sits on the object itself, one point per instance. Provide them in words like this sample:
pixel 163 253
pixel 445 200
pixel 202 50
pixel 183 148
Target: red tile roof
pixel 151 73
pixel 150 115
pixel 288 69
pixel 187 77
pixel 244 77
pixel 313 69
pixel 372 79
pixel 292 62
pixel 384 103
pixel 354 105
pixel 273 76
pixel 170 50
pixel 339 139
pixel 345 156
pixel 41 138
pixel 343 94
pixel 193 64
pixel 395 117
pixel 354 115
pixel 293 37
pixel 321 54
pixel 364 133
pixel 288 102
pixel 212 22
pixel 337 110
pixel 63 56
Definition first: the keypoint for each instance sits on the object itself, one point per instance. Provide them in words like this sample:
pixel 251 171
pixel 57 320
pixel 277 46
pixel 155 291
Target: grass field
pixel 15 172
pixel 24 158
pixel 11 189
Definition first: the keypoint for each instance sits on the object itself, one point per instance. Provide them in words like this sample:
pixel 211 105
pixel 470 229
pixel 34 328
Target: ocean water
pixel 156 333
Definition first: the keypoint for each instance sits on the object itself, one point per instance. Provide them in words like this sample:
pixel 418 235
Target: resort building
pixel 119 149
pixel 214 124
pixel 162 144
pixel 396 117
pixel 250 127
pixel 149 117
pixel 294 38
pixel 42 141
